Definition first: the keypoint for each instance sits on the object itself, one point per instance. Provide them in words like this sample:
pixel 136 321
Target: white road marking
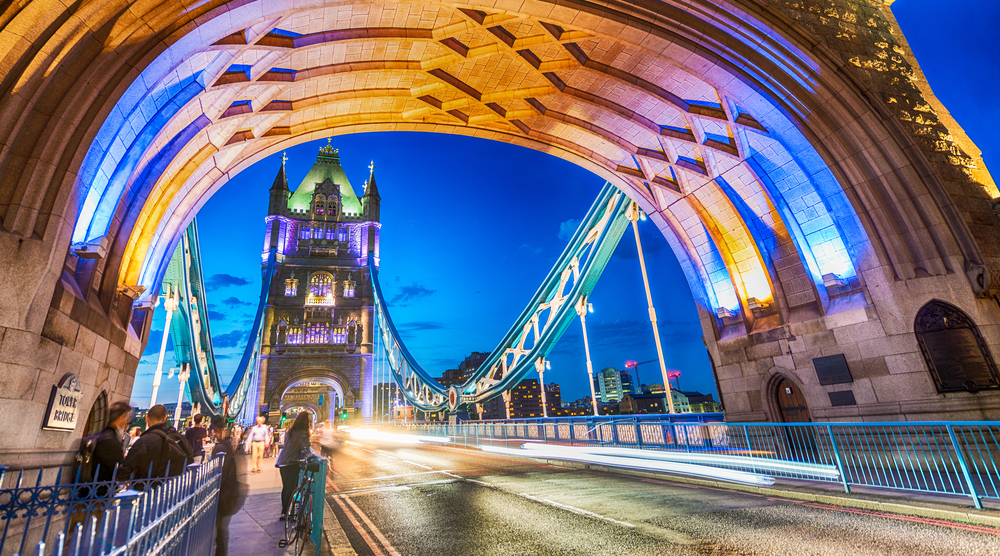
pixel 480 483
pixel 578 511
pixel 420 465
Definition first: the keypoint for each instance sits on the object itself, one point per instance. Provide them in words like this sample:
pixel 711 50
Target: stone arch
pixel 329 377
pixel 795 175
pixel 760 105
pixel 769 390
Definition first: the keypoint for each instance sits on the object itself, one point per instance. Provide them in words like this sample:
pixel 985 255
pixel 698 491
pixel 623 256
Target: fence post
pixel 318 499
pixel 840 461
pixel 965 468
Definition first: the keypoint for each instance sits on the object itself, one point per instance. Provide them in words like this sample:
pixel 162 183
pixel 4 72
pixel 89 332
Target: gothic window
pixel 282 332
pixel 319 203
pixel 318 232
pixel 954 350
pixel 320 284
pixel 339 334
pixel 343 234
pixel 97 419
pixel 318 333
pixel 305 233
pixel 349 288
pixel 291 287
pixel 331 233
pixel 295 335
pixel 352 332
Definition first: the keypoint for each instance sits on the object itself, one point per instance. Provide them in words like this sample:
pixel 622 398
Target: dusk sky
pixel 471 227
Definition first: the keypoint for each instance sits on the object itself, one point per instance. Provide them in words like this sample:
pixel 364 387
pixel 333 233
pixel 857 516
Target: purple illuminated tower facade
pixel 318 325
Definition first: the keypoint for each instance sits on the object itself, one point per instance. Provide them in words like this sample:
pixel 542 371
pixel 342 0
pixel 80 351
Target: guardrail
pixel 955 458
pixel 174 516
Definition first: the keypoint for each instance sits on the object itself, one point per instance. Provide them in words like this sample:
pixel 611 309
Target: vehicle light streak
pixel 372 434
pixel 757 464
pixel 564 453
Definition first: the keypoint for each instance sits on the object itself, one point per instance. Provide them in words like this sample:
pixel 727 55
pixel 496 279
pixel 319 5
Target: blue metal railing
pixel 955 458
pixel 174 516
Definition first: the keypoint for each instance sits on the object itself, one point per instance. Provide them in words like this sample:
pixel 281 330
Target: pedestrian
pixel 195 436
pixel 275 433
pixel 295 449
pixel 231 492
pixel 133 435
pixel 108 453
pixel 160 451
pixel 259 439
pixel 328 440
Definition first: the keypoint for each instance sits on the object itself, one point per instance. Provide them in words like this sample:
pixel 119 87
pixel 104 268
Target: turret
pixel 278 204
pixel 371 199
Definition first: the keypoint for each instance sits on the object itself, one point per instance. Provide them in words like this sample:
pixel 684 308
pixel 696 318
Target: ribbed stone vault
pixel 788 150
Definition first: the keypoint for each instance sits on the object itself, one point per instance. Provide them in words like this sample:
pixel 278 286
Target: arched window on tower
pixel 282 332
pixel 97 419
pixel 318 333
pixel 349 288
pixel 343 234
pixel 954 350
pixel 320 289
pixel 319 204
pixel 291 287
pixel 339 334
pixel 305 233
pixel 295 335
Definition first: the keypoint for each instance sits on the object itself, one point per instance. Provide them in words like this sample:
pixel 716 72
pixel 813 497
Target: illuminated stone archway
pixel 813 189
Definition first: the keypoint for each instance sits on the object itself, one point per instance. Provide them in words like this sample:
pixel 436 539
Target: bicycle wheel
pixel 292 517
pixel 304 523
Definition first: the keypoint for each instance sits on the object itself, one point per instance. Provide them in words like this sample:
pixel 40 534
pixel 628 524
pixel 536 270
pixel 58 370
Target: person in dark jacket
pixel 146 457
pixel 230 491
pixel 195 436
pixel 295 449
pixel 108 453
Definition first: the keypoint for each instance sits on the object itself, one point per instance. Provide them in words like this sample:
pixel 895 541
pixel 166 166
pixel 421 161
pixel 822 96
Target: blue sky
pixel 471 227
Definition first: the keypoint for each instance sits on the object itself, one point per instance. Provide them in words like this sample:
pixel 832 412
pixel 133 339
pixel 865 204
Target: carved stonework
pixel 954 350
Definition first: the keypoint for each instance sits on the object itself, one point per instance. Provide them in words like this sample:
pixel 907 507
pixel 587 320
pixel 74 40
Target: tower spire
pixel 371 200
pixel 281 180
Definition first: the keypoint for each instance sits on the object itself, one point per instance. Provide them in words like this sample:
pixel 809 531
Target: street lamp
pixel 634 214
pixel 170 302
pixel 582 308
pixel 184 373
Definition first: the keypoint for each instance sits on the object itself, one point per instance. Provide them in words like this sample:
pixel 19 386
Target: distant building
pixel 525 402
pixel 608 385
pixel 702 403
pixel 681 404
pixel 641 403
pixel 553 399
pixel 628 385
pixel 465 369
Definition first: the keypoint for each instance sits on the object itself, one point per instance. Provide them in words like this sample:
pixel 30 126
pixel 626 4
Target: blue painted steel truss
pixel 533 335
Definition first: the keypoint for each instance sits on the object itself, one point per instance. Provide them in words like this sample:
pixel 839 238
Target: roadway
pixel 431 501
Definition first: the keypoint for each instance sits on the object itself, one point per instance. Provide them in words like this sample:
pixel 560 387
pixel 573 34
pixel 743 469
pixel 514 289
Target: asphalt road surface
pixel 429 501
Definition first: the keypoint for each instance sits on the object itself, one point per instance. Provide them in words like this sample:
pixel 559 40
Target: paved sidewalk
pixel 255 530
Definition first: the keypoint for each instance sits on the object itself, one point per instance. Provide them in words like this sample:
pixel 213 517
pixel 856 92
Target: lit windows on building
pixel 318 232
pixel 349 288
pixel 305 233
pixel 320 289
pixel 318 333
pixel 331 233
pixel 343 234
pixel 291 287
pixel 294 335
pixel 339 335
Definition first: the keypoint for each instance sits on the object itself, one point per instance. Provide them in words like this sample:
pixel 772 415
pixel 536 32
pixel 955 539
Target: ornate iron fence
pixel 44 516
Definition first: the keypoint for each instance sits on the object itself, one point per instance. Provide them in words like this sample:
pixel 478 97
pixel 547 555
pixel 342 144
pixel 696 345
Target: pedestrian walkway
pixel 255 530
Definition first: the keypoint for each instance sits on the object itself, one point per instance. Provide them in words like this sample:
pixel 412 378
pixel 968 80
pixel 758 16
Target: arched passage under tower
pixel 815 196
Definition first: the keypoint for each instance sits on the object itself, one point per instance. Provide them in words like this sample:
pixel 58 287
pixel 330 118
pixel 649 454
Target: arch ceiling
pixel 728 132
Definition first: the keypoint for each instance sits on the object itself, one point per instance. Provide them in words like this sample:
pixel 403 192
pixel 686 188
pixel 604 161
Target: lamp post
pixel 540 365
pixel 182 377
pixel 634 214
pixel 582 308
pixel 170 302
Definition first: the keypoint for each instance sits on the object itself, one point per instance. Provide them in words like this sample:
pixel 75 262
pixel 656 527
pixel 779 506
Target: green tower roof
pixel 327 166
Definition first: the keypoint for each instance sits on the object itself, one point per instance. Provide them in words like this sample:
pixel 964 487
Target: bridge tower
pixel 318 324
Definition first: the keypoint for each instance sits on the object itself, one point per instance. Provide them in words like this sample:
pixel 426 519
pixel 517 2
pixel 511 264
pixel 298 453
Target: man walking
pixel 230 491
pixel 108 453
pixel 259 438
pixel 160 452
pixel 195 436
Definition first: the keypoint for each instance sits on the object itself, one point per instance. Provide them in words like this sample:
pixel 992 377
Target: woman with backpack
pixel 296 448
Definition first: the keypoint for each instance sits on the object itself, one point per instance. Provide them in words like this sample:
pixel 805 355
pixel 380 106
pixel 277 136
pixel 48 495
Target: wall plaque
pixel 64 405
pixel 832 369
pixel 838 399
pixel 954 350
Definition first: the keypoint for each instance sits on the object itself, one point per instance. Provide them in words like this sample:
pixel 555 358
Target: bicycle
pixel 298 521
